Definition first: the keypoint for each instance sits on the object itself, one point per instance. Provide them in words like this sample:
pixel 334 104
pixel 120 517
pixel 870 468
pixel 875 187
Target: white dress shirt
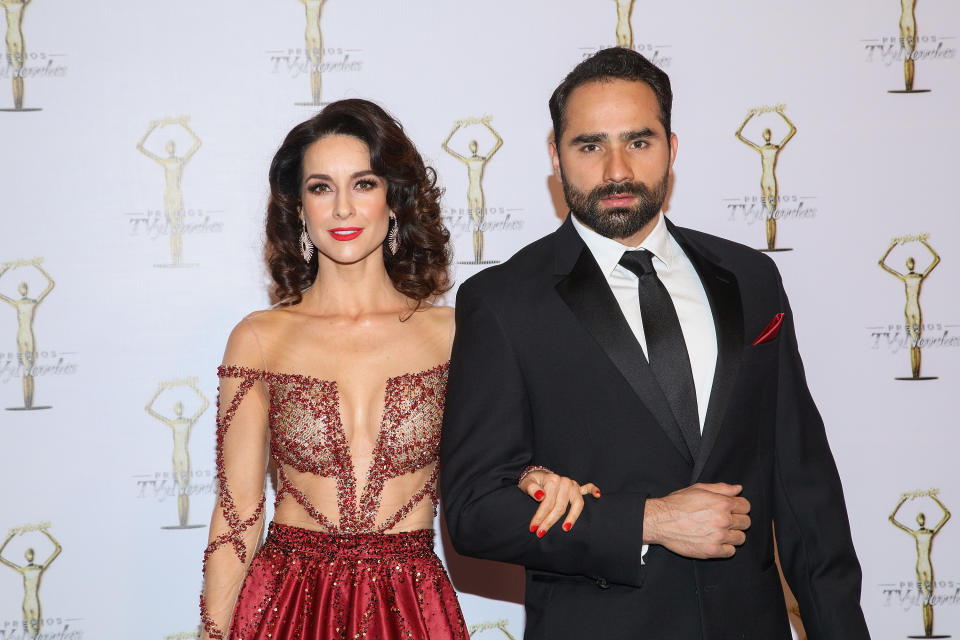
pixel 682 283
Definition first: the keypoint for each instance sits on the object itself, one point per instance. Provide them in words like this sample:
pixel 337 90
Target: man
pixel 678 391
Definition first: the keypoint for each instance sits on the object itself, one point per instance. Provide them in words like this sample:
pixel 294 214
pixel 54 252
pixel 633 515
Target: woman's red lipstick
pixel 345 233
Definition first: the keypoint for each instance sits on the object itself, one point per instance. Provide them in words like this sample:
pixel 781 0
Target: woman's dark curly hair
pixel 419 269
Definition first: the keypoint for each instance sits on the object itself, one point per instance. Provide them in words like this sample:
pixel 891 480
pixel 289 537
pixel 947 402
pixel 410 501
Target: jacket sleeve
pixel 810 517
pixel 488 438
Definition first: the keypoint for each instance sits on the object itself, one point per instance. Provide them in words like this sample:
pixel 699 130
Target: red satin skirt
pixel 308 585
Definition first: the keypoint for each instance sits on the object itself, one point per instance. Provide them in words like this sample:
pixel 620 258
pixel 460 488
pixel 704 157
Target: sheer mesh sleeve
pixel 241 454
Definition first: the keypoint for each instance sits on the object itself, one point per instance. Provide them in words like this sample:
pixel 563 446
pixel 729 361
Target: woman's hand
pixel 554 493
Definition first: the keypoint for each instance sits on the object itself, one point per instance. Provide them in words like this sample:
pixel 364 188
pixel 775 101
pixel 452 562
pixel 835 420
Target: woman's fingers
pixel 558 496
pixel 533 489
pixel 590 488
pixel 576 504
pixel 576 507
pixel 546 506
pixel 552 485
pixel 564 500
pixel 532 485
pixel 560 491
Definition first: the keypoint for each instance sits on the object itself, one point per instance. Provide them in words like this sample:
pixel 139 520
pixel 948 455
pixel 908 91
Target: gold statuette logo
pixel 173 165
pixel 314 47
pixel 912 282
pixel 16 49
pixel 31 573
pixel 924 541
pixel 769 154
pixel 476 164
pixel 26 308
pixel 624 29
pixel 492 625
pixel 908 45
pixel 181 427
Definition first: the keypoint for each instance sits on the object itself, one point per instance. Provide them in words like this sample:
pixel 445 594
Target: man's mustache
pixel 618 188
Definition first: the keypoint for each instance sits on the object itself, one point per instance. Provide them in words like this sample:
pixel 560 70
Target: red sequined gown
pixel 339 560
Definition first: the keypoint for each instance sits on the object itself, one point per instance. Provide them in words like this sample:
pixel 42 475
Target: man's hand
pixel 700 521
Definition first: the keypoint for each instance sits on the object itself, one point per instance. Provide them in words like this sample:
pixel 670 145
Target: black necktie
pixel 666 349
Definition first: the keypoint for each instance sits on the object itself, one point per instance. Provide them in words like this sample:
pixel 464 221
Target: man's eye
pixel 639 144
pixel 589 148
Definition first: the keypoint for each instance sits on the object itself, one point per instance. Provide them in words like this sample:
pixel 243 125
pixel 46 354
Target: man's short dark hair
pixel 607 64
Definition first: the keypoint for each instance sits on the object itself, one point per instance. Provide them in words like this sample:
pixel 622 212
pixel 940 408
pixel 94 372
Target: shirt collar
pixel 607 251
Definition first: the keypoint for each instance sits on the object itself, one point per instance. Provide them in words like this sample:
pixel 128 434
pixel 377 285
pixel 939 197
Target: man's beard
pixel 616 222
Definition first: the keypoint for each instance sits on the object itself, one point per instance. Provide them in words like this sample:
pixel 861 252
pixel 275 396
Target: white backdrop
pixel 864 167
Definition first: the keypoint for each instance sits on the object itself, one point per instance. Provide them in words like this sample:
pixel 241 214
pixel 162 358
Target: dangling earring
pixel 306 247
pixel 393 238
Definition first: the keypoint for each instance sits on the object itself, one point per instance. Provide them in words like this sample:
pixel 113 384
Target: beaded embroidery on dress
pixel 352 506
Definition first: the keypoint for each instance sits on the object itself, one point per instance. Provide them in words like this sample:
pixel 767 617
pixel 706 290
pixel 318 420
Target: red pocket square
pixel 770 331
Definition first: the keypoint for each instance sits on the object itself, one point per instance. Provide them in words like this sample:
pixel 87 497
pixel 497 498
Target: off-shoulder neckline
pixel 264 373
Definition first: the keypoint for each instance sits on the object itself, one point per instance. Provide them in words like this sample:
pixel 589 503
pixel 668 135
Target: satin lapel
pixel 725 303
pixel 588 295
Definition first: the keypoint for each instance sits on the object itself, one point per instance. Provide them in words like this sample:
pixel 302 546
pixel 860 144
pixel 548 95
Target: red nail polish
pixel 597 493
pixel 541 533
pixel 533 528
pixel 567 526
pixel 539 495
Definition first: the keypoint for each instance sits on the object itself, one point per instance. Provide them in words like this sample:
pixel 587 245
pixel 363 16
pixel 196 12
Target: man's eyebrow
pixel 646 132
pixel 589 138
pixel 594 138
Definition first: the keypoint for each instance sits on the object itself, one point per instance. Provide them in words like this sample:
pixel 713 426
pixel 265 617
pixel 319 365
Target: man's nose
pixel 617 168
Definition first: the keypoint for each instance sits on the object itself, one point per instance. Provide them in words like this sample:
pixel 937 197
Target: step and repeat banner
pixel 134 145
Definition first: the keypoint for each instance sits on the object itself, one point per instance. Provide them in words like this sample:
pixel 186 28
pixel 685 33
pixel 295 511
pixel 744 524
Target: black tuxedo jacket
pixel 545 370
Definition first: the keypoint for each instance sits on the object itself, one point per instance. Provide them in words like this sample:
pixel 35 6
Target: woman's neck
pixel 352 290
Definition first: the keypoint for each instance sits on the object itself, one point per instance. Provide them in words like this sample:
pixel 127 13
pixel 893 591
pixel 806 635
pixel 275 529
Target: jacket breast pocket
pixel 760 355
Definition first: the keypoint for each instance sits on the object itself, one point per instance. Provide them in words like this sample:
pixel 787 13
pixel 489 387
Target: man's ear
pixel 673 149
pixel 555 158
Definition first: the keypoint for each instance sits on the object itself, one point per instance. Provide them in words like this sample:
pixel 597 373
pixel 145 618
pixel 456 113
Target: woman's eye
pixel 366 185
pixel 318 187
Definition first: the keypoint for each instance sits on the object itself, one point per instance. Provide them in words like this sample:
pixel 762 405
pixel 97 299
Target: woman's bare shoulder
pixel 439 316
pixel 255 331
pixel 439 321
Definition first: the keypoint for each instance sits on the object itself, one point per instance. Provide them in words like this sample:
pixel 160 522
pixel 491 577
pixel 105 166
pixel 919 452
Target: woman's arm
pixel 237 521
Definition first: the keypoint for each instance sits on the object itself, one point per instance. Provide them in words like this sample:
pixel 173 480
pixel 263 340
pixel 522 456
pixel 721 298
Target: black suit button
pixel 602 583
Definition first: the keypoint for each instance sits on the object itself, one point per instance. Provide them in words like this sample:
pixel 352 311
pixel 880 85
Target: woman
pixel 343 382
